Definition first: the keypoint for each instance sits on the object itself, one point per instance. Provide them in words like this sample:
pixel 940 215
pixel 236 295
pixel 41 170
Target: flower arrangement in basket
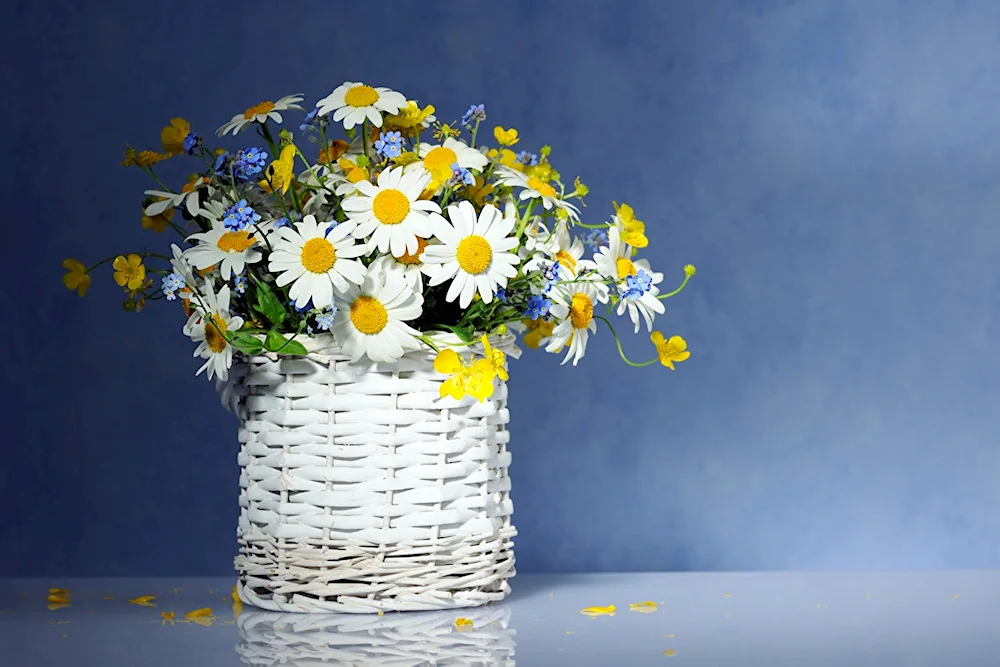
pixel 393 236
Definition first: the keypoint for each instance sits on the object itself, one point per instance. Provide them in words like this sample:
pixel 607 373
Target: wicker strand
pixel 362 490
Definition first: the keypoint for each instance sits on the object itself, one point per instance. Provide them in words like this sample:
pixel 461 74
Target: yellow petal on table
pixel 204 612
pixel 144 600
pixel 599 611
pixel 463 624
pixel 168 617
pixel 670 653
pixel 643 607
pixel 61 592
pixel 728 595
pixel 570 632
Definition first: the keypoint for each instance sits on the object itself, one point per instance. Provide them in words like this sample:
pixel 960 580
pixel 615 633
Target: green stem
pixel 586 226
pixel 429 343
pixel 619 343
pixel 156 178
pixel 676 291
pixel 364 139
pixel 475 131
pixel 266 134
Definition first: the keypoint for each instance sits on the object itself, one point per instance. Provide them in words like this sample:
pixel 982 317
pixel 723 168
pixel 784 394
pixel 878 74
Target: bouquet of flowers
pixel 393 228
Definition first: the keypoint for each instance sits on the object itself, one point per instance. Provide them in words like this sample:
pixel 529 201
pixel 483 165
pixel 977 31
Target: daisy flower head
pixel 563 248
pixel 533 187
pixel 189 197
pixel 261 113
pixel 438 161
pixel 475 252
pixel 231 250
pixel 371 317
pixel 390 214
pixel 410 265
pixel 638 294
pixel 316 260
pixel 208 325
pixel 573 308
pixel 353 102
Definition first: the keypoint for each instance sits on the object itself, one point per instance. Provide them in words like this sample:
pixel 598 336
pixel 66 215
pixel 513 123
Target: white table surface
pixel 940 618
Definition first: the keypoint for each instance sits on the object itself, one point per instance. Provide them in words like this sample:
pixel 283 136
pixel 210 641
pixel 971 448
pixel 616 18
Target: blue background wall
pixel 831 167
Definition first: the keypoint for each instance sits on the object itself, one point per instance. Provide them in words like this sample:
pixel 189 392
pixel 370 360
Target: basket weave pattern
pixel 361 489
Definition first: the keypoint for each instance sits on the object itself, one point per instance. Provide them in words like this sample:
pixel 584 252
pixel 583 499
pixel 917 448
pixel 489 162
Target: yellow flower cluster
pixel 468 377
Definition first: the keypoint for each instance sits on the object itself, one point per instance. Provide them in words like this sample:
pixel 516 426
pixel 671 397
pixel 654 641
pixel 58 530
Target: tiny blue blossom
pixel 475 114
pixel 527 158
pixel 538 306
pixel 240 283
pixel 389 144
pixel 282 222
pixel 595 239
pixel 502 294
pixel 172 283
pixel 221 164
pixel 191 141
pixel 636 286
pixel 304 307
pixel 330 226
pixel 307 122
pixel 249 163
pixel 460 176
pixel 551 274
pixel 239 216
pixel 325 319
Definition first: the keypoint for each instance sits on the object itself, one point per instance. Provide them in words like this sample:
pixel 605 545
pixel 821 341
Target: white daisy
pixel 353 102
pixel 316 259
pixel 648 303
pixel 475 253
pixel 437 160
pixel 613 261
pixel 573 308
pixel 371 318
pixel 261 113
pixel 231 250
pixel 187 197
pixel 410 265
pixel 389 214
pixel 322 182
pixel 562 247
pixel 207 328
pixel 535 188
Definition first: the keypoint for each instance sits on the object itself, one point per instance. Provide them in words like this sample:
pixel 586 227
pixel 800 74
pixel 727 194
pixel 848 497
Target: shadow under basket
pixel 362 490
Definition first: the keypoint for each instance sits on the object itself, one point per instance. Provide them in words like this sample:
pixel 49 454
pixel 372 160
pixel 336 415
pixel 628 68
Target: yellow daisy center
pixel 215 327
pixel 413 258
pixel 581 310
pixel 368 315
pixel 566 259
pixel 542 188
pixel 263 107
pixel 235 241
pixel 474 254
pixel 318 255
pixel 391 207
pixel 625 267
pixel 440 158
pixel 361 96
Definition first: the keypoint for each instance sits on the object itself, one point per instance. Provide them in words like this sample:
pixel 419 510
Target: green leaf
pixel 275 342
pixel 269 305
pixel 465 333
pixel 244 342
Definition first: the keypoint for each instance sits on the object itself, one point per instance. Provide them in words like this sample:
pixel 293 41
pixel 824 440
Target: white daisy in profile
pixel 389 214
pixel 562 247
pixel 614 261
pixel 437 160
pixel 538 240
pixel 641 302
pixel 352 102
pixel 316 260
pixel 475 253
pixel 232 251
pixel 261 113
pixel 410 265
pixel 371 317
pixel 207 327
pixel 535 188
pixel 573 308
pixel 188 197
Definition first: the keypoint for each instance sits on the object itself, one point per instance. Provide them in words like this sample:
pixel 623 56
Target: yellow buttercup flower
pixel 135 158
pixel 158 223
pixel 537 331
pixel 409 119
pixel 633 231
pixel 172 136
pixel 507 158
pixel 478 192
pixel 279 172
pixel 505 137
pixel 130 271
pixel 443 130
pixel 474 380
pixel 76 279
pixel 671 351
pixel 496 358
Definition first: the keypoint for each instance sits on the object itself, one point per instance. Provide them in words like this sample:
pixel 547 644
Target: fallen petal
pixel 463 624
pixel 144 600
pixel 599 611
pixel 204 612
pixel 643 607
pixel 670 653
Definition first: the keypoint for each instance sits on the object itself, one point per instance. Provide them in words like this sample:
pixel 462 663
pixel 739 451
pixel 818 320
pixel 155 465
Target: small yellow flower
pixel 670 351
pixel 158 223
pixel 76 279
pixel 538 330
pixel 507 158
pixel 403 159
pixel 689 270
pixel 279 172
pixel 505 137
pixel 408 120
pixel 443 130
pixel 478 192
pixel 135 158
pixel 581 189
pixel 543 171
pixel 633 230
pixel 474 380
pixel 172 136
pixel 129 272
pixel 496 358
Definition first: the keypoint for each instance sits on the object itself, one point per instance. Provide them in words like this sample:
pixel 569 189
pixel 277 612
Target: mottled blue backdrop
pixel 832 168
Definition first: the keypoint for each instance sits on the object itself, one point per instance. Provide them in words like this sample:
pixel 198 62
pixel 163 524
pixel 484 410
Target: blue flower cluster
pixel 243 166
pixel 172 283
pixel 389 144
pixel 460 176
pixel 239 216
pixel 595 238
pixel 538 306
pixel 475 114
pixel 636 286
pixel 191 142
pixel 527 158
pixel 324 320
pixel 309 121
pixel 551 274
pixel 240 283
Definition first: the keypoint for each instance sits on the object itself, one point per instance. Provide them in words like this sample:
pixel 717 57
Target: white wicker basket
pixel 393 640
pixel 362 490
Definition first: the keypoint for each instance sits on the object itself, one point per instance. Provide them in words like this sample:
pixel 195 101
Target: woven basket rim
pixel 320 344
